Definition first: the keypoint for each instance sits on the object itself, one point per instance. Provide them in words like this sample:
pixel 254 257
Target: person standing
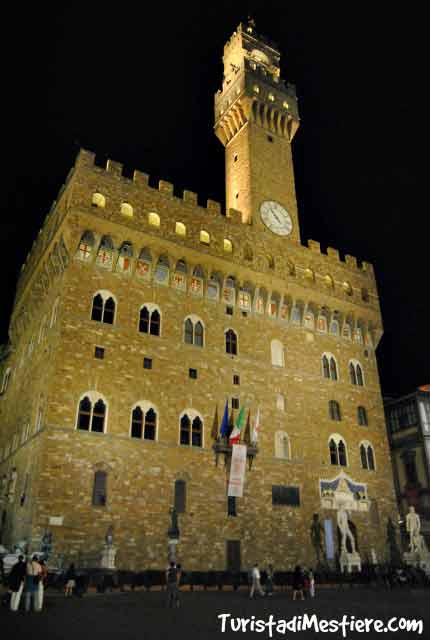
pixel 38 605
pixel 269 580
pixel 32 578
pixel 256 586
pixel 16 582
pixel 70 580
pixel 311 584
pixel 298 583
pixel 172 585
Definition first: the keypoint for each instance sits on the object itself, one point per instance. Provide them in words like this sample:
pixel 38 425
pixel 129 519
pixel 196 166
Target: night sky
pixel 138 86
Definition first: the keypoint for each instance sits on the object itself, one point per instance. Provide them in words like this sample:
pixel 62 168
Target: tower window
pixel 270 138
pixel 229 311
pixel 154 219
pixel 231 506
pixel 235 403
pixel 285 104
pixel 180 229
pixel 99 353
pixel 236 379
pixel 256 88
pixel 205 237
pixel 192 373
pixel 237 195
pixel 235 157
pixel 271 97
pixel 147 363
pixel 228 246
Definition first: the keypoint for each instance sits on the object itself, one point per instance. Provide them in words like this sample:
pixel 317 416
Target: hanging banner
pixel 329 542
pixel 237 471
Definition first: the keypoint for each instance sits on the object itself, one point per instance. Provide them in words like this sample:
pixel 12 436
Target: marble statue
pixel 346 533
pixel 413 527
pixel 109 537
pixel 12 484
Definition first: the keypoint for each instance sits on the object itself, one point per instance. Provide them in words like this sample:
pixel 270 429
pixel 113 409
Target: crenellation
pixel 140 178
pixel 235 216
pixel 314 246
pixel 214 207
pixel 351 261
pixel 333 254
pixel 190 197
pixel 116 168
pixel 165 187
pixel 85 159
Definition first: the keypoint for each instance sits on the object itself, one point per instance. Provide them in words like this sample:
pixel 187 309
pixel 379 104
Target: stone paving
pixel 142 615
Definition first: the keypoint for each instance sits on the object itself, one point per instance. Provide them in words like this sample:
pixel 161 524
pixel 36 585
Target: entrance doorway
pixel 233 555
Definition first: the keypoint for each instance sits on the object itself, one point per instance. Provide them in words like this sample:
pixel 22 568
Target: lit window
pixel 205 237
pixel 127 210
pixel 154 219
pixel 347 288
pixel 228 246
pixel 98 200
pixel 285 104
pixel 180 229
pixel 271 97
pixel 256 88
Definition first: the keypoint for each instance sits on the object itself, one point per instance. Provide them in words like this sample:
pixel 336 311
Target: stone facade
pixel 262 286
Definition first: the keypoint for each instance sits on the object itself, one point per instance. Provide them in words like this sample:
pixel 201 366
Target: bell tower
pixel 256 117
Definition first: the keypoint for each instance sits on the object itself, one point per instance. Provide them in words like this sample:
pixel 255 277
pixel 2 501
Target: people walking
pixel 16 582
pixel 172 585
pixel 41 586
pixel 32 578
pixel 70 580
pixel 298 583
pixel 311 584
pixel 256 586
pixel 269 580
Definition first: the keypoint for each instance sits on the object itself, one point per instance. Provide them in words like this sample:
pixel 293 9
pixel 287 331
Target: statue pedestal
pixel 418 559
pixel 350 561
pixel 108 558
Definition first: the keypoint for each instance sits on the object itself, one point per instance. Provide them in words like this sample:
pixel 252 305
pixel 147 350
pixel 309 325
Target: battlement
pixel 334 256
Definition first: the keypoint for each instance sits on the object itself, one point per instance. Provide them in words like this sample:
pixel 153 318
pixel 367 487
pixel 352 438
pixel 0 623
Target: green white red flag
pixel 256 429
pixel 235 434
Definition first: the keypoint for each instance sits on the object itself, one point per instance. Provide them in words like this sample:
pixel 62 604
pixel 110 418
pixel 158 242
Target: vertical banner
pixel 237 471
pixel 329 542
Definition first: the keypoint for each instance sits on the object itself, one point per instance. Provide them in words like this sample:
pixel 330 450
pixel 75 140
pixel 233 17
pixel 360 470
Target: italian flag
pixel 235 434
pixel 256 429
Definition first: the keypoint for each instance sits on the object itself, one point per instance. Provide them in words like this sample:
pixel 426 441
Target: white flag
pixel 256 429
pixel 237 471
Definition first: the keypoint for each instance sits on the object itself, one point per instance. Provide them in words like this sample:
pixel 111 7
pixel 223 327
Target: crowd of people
pixel 303 582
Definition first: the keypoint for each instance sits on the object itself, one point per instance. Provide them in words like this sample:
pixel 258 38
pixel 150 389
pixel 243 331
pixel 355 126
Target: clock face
pixel 276 218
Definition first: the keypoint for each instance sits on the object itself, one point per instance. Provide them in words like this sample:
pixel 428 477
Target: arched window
pixel 280 402
pixel 334 410
pixel 205 237
pixel 277 351
pixel 356 373
pixel 282 445
pixel 180 229
pixel 98 200
pixel 180 498
pixel 103 308
pixel 100 489
pixel 333 369
pixel 125 257
pixel 86 246
pixel 194 331
pixel 5 381
pixel 150 320
pixel 191 429
pixel 228 246
pixel 231 342
pixel 105 253
pixel 337 451
pixel 144 421
pixel 137 423
pixel 91 413
pixel 367 456
pixel 326 367
pixel 127 210
pixel 153 219
pixel 362 416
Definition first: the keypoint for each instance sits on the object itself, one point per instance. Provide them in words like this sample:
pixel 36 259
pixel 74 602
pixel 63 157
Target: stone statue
pixel 12 484
pixel 173 531
pixel 413 527
pixel 342 523
pixel 46 546
pixel 392 543
pixel 317 536
pixel 109 537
